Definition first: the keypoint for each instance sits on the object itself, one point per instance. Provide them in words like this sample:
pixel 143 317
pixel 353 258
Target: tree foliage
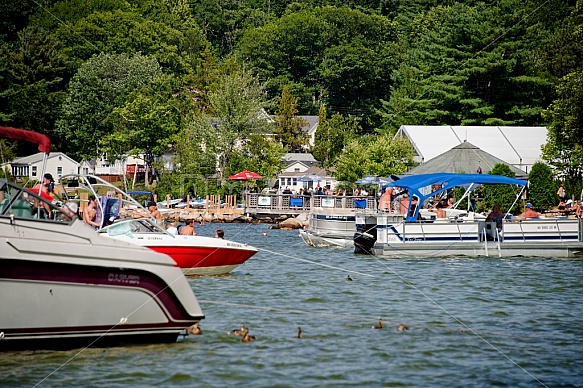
pixel 33 75
pixel 564 148
pixel 331 136
pixel 377 155
pixel 288 126
pixel 101 84
pixel 541 187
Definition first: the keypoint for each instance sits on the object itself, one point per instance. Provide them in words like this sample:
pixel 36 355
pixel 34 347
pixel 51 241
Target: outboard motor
pixel 365 236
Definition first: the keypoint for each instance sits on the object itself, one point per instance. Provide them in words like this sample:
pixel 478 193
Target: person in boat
pixel 154 212
pixel 404 204
pixel 188 229
pixel 46 187
pixel 579 209
pixel 450 203
pixel 385 200
pixel 90 213
pixel 171 228
pixel 529 212
pixel 219 233
pixel 496 216
pixel 439 210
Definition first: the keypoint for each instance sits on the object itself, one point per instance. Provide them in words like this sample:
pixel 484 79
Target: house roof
pixel 517 146
pixel 464 158
pixel 299 157
pixel 310 171
pixel 38 157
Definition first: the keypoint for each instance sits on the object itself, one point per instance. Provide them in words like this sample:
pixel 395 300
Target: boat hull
pixel 195 255
pixel 67 293
pixel 545 237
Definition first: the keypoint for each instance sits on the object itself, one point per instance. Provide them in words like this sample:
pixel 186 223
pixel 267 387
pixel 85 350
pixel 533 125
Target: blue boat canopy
pixel 415 183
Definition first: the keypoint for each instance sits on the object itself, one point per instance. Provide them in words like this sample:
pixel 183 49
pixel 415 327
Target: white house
pixel 300 171
pixel 30 167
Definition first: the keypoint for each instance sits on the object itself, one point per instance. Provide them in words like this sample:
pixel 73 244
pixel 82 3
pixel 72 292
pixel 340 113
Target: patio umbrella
pixel 310 178
pixel 373 180
pixel 245 176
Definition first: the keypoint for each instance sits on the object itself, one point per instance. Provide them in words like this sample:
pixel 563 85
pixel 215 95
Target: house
pixel 31 167
pixel 516 146
pixel 311 127
pixel 300 171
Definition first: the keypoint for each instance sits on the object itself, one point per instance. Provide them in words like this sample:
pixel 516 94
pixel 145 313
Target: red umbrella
pixel 245 176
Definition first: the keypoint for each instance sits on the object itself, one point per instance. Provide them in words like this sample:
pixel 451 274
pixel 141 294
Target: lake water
pixel 473 322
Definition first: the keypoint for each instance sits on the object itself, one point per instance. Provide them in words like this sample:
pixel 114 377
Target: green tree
pixel 378 155
pixel 288 126
pixel 331 136
pixel 541 187
pixel 34 73
pixel 101 84
pixel 564 149
pixel 503 195
pixel 452 73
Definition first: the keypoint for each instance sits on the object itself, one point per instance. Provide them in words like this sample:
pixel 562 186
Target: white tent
pixel 517 146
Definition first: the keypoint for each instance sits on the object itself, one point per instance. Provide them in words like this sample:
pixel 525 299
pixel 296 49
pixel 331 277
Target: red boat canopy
pixel 44 144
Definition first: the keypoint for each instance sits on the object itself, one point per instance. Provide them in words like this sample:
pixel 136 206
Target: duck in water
pixel 402 327
pixel 246 336
pixel 240 332
pixel 379 325
pixel 299 332
pixel 348 278
pixel 194 329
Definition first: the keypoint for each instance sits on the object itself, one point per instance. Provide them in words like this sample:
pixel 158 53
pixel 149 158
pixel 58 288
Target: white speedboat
pixel 63 285
pixel 467 233
pixel 195 255
pixel 328 229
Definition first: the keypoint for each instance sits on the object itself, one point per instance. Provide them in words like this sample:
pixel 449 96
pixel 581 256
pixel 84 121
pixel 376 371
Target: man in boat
pixel 496 216
pixel 385 200
pixel 529 212
pixel 90 213
pixel 154 212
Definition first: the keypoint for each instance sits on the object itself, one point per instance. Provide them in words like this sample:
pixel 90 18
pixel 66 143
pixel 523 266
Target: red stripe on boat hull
pixel 216 260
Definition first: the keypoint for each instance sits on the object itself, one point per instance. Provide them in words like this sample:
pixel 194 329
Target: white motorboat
pixel 63 285
pixel 467 233
pixel 195 255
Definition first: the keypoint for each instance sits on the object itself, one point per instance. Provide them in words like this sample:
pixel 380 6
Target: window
pixel 85 170
pixel 34 170
pixel 59 171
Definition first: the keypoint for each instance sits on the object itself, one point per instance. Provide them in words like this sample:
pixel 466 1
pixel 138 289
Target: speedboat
pixel 421 234
pixel 65 286
pixel 195 255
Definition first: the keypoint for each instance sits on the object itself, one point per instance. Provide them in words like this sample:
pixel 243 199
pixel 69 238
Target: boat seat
pixel 22 208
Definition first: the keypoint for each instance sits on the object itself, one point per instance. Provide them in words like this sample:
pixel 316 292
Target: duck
pixel 348 278
pixel 194 329
pixel 299 332
pixel 402 327
pixel 246 336
pixel 240 332
pixel 379 325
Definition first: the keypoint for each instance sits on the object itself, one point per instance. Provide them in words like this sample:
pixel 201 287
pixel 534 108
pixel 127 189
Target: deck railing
pixel 290 203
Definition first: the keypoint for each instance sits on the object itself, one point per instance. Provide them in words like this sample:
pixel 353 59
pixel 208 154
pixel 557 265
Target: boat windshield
pixel 17 202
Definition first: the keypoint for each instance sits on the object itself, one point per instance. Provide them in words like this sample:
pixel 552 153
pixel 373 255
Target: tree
pixel 455 71
pixel 564 149
pixel 541 187
pixel 332 135
pixel 503 195
pixel 101 84
pixel 377 155
pixel 288 127
pixel 33 75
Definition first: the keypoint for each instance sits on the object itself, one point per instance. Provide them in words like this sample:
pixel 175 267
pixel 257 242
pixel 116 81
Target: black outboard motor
pixel 365 238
